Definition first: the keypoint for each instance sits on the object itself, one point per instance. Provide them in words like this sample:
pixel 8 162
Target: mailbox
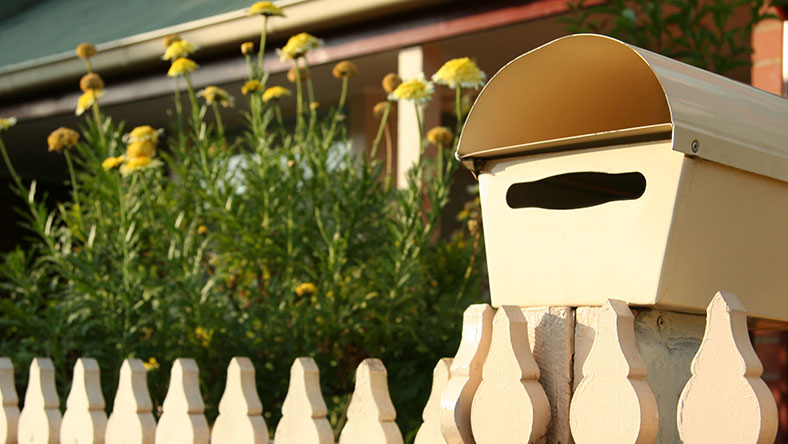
pixel 608 171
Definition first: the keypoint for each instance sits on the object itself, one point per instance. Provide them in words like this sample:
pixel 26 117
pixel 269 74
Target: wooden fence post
pixel 85 420
pixel 304 411
pixel 9 417
pixel 725 400
pixel 182 420
pixel 240 419
pixel 39 422
pixel 466 374
pixel 131 421
pixel 430 430
pixel 613 403
pixel 510 405
pixel 371 415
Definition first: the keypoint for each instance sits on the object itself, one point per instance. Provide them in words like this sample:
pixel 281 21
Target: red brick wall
pixel 767 44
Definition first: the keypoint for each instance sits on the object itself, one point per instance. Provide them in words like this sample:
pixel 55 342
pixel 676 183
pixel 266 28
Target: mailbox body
pixel 607 171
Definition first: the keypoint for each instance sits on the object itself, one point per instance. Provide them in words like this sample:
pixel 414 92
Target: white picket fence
pixel 489 393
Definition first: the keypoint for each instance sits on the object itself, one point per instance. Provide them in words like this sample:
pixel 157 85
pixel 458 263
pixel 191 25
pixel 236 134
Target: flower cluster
pixel 214 94
pixel 419 90
pixel 266 8
pixel 178 49
pixel 462 72
pixel 140 150
pixel 6 123
pixel 62 138
pixel 251 86
pixel 275 93
pixel 344 69
pixel 181 66
pixel 298 45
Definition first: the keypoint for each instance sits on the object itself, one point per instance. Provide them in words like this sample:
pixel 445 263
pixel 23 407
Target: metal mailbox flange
pixel 609 171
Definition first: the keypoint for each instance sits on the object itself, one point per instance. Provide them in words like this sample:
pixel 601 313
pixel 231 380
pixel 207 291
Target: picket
pixel 39 421
pixel 182 420
pixel 85 421
pixel 430 430
pixel 371 414
pixel 9 416
pixel 613 403
pixel 466 374
pixel 304 410
pixel 240 419
pixel 725 400
pixel 131 421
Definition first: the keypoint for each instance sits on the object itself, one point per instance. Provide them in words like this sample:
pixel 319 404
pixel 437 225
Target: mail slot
pixel 608 171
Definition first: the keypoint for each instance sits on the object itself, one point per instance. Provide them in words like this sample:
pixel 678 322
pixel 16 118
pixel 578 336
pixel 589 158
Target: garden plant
pixel 277 241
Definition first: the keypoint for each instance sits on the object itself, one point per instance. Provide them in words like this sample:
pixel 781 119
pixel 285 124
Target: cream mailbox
pixel 608 171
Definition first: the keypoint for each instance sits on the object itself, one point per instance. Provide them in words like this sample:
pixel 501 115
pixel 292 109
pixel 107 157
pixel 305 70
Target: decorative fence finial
pixel 510 405
pixel 613 403
pixel 371 415
pixel 85 420
pixel 726 401
pixel 466 374
pixel 430 430
pixel 9 417
pixel 240 417
pixel 182 420
pixel 131 421
pixel 39 422
pixel 304 410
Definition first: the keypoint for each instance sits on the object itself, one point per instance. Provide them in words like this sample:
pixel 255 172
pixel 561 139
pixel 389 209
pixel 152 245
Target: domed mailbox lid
pixel 607 170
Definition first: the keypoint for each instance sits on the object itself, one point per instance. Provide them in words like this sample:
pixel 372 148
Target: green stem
pixel 178 103
pixel 458 109
pixel 337 113
pixel 381 129
pixel 279 120
pixel 263 36
pixel 73 182
pixel 440 162
pixel 193 100
pixel 219 124
pixel 249 66
pixel 10 166
pixel 299 99
pixel 88 66
pixel 99 123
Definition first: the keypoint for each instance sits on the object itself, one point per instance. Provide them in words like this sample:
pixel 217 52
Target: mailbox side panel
pixel 730 233
pixel 581 256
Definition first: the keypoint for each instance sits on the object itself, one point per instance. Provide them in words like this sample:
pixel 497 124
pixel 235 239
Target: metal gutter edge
pixel 301 15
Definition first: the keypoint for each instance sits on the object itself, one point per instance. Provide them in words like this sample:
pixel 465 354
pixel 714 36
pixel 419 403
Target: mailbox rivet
pixel 695 146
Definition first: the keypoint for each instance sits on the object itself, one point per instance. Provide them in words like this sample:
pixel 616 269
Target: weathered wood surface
pixel 304 411
pixel 613 404
pixel 466 374
pixel 726 401
pixel 510 405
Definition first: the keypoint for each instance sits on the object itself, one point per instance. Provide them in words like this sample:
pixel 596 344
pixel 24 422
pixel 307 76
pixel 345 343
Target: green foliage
pixel 710 34
pixel 202 257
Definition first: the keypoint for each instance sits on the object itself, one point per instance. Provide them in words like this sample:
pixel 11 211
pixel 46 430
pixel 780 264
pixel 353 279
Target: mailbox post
pixel 608 171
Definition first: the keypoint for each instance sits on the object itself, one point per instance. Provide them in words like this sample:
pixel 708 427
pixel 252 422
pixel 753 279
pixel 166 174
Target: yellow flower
pixel 418 90
pixel 440 135
pixel 202 229
pixel 178 49
pixel 170 39
pixel 247 48
pixel 87 99
pixel 314 106
pixel 214 94
pixel 294 73
pixel 151 364
pixel 144 133
pixel 112 162
pixel 204 336
pixel 6 123
pixel 62 138
pixel 181 66
pixel 306 289
pixel 298 45
pixel 345 69
pixel 91 80
pixel 391 82
pixel 379 109
pixel 86 50
pixel 462 72
pixel 138 163
pixel 275 93
pixel 251 86
pixel 140 149
pixel 266 8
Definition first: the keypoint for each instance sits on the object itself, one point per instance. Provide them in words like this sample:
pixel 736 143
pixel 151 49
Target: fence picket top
pixel 86 387
pixel 613 403
pixel 132 394
pixel 725 400
pixel 8 395
pixel 466 374
pixel 41 392
pixel 240 393
pixel 39 421
pixel 304 410
pixel 371 414
pixel 183 394
pixel 510 405
pixel 430 430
